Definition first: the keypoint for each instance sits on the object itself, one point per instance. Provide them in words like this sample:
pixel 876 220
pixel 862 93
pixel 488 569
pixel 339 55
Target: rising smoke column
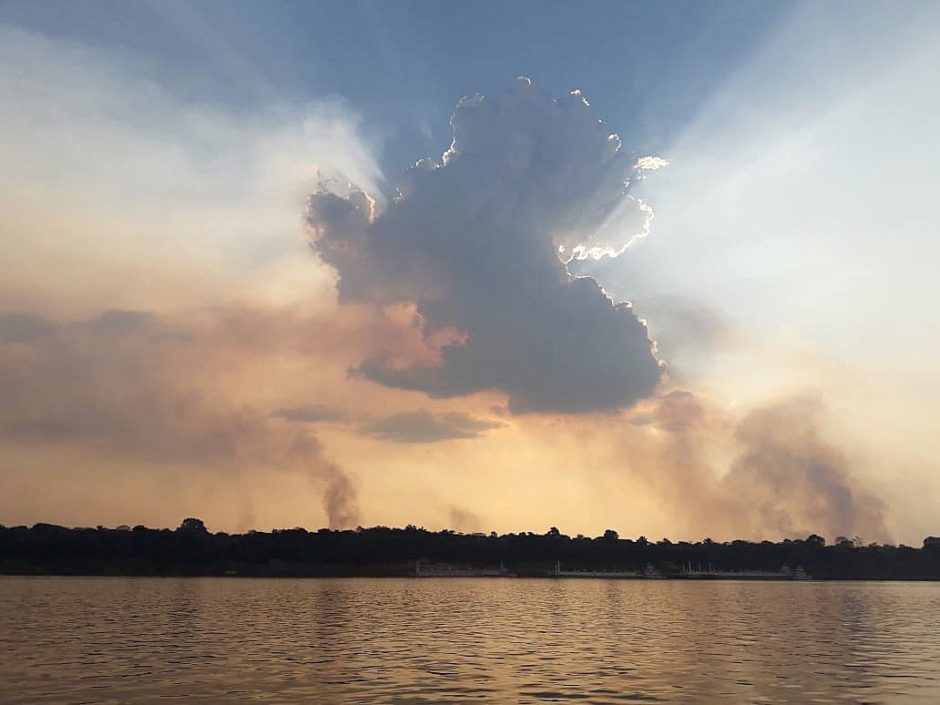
pixel 784 475
pixel 143 388
pixel 478 242
pixel 797 478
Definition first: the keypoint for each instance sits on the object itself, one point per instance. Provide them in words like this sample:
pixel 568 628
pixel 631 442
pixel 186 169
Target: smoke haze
pixel 170 347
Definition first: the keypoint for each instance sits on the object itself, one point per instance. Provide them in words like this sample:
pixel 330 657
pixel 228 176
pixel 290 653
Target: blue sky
pixel 646 66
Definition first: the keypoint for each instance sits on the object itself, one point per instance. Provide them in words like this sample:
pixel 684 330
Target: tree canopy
pixel 193 550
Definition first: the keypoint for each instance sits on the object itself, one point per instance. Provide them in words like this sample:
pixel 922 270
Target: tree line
pixel 192 549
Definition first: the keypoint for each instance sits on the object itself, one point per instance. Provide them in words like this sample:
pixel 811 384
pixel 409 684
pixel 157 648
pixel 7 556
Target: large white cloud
pixel 478 243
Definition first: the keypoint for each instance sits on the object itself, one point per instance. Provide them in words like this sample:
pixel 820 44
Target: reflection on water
pixel 137 640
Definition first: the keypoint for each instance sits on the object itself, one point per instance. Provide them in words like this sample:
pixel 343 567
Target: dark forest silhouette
pixel 192 550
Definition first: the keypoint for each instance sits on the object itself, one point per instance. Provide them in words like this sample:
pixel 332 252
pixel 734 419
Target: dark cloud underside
pixel 425 427
pixel 474 243
pixel 310 413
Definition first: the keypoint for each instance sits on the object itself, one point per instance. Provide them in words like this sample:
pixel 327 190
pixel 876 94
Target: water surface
pixel 440 640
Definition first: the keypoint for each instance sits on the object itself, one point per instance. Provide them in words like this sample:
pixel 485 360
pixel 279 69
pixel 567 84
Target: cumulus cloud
pixel 425 427
pixel 478 243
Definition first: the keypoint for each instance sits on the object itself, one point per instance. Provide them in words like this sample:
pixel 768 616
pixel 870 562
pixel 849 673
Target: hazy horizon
pixel 663 269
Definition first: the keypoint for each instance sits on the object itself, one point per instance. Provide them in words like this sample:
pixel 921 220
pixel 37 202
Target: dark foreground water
pixel 141 640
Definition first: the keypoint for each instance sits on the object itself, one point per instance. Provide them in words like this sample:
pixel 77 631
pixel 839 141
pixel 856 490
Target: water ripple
pixel 401 641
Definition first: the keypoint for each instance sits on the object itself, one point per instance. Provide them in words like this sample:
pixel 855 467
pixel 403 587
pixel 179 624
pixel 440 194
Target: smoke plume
pixel 785 476
pixel 131 385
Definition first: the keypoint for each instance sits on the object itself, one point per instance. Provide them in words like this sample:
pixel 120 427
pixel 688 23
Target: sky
pixel 666 268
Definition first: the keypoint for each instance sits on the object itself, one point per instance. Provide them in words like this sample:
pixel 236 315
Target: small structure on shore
pixel 428 569
pixel 690 572
pixel 649 572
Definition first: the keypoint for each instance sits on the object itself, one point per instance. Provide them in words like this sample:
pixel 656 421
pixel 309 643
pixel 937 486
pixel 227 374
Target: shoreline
pixel 402 576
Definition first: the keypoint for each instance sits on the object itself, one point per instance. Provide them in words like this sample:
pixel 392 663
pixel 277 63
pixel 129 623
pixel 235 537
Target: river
pixel 490 640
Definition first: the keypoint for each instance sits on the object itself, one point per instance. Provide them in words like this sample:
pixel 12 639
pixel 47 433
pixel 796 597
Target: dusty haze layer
pixel 240 318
